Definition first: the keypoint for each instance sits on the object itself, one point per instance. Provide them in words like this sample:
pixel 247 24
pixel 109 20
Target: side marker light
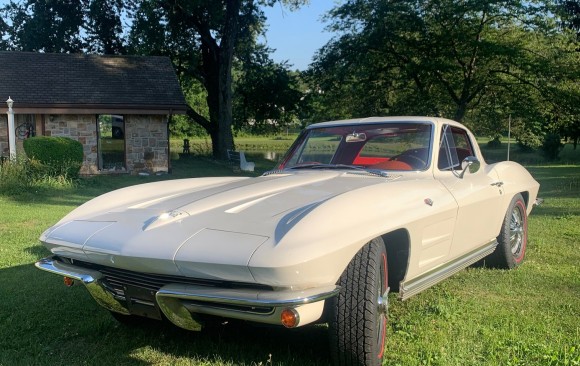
pixel 289 318
pixel 68 282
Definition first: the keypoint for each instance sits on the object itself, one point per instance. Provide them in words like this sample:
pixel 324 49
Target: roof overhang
pixel 95 109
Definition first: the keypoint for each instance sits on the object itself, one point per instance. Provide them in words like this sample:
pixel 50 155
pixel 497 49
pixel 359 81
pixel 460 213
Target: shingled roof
pixel 52 83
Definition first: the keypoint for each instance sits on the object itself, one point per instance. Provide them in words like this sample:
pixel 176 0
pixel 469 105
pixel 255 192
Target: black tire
pixel 358 314
pixel 513 237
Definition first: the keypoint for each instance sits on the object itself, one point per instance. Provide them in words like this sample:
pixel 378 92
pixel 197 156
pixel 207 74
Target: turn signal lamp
pixel 68 282
pixel 289 318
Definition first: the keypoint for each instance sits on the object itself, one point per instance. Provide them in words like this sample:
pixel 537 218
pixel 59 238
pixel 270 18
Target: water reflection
pixel 274 156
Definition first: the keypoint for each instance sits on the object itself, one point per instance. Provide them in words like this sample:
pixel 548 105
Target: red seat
pixel 392 165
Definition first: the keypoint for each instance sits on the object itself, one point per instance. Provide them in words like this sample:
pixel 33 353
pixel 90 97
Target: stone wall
pixel 146 145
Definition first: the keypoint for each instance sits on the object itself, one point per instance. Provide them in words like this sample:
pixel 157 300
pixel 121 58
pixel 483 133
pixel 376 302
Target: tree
pixel 104 27
pixel 571 15
pixel 204 36
pixel 44 25
pixel 266 95
pixel 446 57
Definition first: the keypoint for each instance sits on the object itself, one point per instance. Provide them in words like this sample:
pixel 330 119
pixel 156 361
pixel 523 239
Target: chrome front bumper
pixel 180 302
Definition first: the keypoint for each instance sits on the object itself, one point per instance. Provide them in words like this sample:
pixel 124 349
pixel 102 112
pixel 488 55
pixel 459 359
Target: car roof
pixel 392 119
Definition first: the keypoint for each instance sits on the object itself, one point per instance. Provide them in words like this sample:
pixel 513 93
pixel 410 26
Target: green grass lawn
pixel 480 316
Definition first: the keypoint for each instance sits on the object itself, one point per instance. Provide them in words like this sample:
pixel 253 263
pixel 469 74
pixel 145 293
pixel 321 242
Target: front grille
pixel 118 279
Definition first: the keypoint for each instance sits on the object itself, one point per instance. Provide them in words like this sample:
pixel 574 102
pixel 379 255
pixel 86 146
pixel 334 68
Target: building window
pixel 111 142
pixel 25 126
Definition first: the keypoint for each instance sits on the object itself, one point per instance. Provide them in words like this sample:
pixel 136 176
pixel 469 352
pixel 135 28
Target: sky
pixel 296 35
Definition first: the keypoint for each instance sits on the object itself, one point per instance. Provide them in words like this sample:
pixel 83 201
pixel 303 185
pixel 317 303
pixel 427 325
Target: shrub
pixel 529 141
pixel 63 155
pixel 552 146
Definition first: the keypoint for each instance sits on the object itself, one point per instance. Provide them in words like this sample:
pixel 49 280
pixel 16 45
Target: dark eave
pixel 94 109
pixel 51 83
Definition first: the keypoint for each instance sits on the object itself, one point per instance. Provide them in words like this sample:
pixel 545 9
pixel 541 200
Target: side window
pixel 455 146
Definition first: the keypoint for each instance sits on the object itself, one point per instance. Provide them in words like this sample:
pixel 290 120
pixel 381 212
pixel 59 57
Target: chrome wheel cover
pixel 517 231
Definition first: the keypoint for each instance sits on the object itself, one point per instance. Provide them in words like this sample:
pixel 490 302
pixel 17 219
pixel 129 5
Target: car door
pixel 477 194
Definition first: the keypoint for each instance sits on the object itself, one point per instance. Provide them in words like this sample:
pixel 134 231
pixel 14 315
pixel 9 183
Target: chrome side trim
pixel 178 301
pixel 87 277
pixel 428 279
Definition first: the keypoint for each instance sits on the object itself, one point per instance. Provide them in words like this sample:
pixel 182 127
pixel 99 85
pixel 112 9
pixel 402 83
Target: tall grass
pixel 22 176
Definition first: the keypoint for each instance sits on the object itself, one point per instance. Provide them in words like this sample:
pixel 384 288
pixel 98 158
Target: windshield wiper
pixel 376 172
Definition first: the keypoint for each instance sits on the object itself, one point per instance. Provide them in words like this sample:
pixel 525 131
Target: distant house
pixel 118 107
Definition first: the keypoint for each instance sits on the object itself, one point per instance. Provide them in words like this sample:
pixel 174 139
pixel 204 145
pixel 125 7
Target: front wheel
pixel 358 320
pixel 513 237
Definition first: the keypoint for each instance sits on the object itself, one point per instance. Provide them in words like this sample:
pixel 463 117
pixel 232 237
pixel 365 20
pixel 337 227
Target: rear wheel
pixel 513 238
pixel 358 318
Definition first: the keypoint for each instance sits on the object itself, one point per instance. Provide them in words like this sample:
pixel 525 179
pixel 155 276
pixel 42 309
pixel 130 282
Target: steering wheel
pixel 413 160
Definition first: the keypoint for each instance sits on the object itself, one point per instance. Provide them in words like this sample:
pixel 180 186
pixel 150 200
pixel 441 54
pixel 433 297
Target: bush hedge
pixel 63 155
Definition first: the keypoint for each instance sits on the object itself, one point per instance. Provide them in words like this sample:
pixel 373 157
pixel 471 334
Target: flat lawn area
pixel 202 146
pixel 480 316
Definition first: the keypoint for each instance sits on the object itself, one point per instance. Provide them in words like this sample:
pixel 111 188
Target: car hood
pixel 194 223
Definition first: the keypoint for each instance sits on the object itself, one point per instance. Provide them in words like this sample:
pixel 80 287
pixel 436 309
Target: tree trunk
pixel 216 76
pixel 217 68
pixel 460 111
pixel 225 64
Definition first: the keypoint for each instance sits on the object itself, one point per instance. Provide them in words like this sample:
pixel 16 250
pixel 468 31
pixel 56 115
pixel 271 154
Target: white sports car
pixel 355 209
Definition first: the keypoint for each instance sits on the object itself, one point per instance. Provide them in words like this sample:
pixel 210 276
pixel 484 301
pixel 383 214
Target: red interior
pixel 392 165
pixel 381 163
pixel 363 160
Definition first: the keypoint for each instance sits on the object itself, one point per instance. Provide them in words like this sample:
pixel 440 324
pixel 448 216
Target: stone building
pixel 117 107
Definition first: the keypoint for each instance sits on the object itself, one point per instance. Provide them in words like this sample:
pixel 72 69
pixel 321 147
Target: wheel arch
pixel 398 245
pixel 526 196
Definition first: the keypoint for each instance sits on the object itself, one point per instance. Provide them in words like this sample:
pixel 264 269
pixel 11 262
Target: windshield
pixel 386 146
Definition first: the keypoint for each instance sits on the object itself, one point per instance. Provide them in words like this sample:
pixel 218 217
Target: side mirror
pixel 470 163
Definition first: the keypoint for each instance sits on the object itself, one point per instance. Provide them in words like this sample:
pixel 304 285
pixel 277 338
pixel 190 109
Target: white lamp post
pixel 11 131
